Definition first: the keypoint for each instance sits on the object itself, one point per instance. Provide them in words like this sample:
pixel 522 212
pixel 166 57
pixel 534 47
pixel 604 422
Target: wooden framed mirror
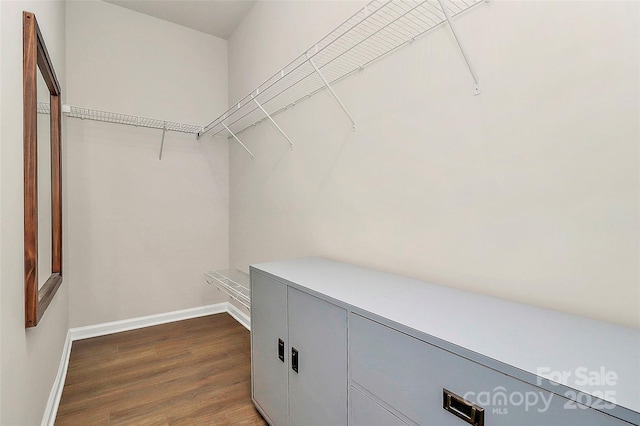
pixel 39 291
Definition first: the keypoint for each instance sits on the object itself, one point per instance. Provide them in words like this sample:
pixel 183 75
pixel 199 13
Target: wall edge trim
pixel 51 409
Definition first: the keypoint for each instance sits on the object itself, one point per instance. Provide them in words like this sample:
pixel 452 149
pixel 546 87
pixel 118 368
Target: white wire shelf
pixel 233 283
pixel 118 118
pixel 378 29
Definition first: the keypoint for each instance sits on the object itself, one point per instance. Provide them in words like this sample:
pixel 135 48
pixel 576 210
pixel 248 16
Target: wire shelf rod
pixel 233 283
pixel 368 58
pixel 306 94
pixel 332 81
pixel 316 90
pixel 372 33
pixel 118 118
pixel 330 37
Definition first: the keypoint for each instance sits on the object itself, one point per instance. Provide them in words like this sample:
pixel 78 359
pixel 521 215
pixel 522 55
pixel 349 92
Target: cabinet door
pixel 318 332
pixel 268 325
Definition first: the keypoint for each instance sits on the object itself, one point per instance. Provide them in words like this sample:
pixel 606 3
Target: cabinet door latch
pixel 294 359
pixel 281 349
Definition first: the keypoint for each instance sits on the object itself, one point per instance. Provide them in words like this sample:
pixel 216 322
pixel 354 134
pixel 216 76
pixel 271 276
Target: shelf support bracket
pixel 238 140
pixel 272 121
pixel 164 132
pixel 333 93
pixel 445 10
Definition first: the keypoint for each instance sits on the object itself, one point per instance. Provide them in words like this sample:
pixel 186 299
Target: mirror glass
pixel 44 186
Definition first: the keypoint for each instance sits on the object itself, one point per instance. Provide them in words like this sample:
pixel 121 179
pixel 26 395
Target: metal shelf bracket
pixel 447 14
pixel 272 120
pixel 164 132
pixel 333 93
pixel 238 140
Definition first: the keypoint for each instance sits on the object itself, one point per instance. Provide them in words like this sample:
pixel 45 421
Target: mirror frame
pixel 35 57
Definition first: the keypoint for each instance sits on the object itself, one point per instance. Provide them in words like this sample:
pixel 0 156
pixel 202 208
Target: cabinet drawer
pixel 410 375
pixel 364 411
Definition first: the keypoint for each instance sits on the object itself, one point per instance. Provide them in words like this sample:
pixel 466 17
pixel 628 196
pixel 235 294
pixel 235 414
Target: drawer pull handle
pixel 294 359
pixel 467 411
pixel 281 349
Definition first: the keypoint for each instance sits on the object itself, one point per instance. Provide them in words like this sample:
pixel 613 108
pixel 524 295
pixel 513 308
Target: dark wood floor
pixel 192 372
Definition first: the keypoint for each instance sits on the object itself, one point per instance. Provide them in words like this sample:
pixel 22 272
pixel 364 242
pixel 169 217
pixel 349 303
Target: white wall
pixel 142 231
pixel 29 358
pixel 529 191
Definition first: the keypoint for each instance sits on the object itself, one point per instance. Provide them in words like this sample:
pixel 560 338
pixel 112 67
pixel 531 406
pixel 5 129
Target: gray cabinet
pixel 299 355
pixel 377 349
pixel 409 375
pixel 268 326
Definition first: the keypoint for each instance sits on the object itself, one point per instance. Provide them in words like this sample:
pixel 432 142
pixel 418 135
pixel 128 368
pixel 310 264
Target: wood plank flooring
pixel 192 372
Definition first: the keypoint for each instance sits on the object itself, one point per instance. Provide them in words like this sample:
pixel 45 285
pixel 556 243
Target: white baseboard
pixel 239 316
pixel 96 330
pixel 51 409
pixel 103 329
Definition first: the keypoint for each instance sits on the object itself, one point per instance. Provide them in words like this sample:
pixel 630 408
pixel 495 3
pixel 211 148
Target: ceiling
pixel 216 17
